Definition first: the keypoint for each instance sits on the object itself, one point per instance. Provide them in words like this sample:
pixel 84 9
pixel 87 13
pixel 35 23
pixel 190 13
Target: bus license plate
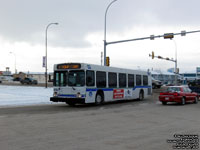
pixel 166 98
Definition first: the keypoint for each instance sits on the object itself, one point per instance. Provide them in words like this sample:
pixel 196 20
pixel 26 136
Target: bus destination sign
pixel 69 66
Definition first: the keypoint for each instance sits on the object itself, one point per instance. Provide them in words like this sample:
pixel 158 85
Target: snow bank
pixel 24 95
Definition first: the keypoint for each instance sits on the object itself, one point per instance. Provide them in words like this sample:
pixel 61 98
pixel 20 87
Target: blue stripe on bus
pixel 93 90
pixel 141 87
pixel 70 96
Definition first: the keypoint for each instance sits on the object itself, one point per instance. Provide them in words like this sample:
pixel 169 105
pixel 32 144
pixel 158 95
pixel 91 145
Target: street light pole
pixel 46 52
pixel 105 43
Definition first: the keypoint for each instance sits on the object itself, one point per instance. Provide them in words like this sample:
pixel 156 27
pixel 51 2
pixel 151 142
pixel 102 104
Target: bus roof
pixel 85 66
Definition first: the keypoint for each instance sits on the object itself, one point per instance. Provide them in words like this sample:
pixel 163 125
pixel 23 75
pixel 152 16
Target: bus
pixel 87 83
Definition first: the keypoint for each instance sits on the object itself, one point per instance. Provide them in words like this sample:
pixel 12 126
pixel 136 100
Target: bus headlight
pixel 55 94
pixel 78 95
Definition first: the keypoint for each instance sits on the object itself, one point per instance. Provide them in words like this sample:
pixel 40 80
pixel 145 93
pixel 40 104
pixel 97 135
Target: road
pixel 132 125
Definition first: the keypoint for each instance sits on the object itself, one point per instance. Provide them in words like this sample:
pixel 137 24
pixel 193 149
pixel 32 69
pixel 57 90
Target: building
pixel 164 76
pixel 6 75
pixel 190 76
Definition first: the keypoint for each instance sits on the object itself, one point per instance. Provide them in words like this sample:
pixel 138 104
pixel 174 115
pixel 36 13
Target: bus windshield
pixel 76 78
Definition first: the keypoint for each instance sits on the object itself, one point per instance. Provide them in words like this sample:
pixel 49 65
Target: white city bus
pixel 87 83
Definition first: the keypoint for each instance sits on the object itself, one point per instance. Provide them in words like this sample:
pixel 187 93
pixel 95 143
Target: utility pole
pixel 105 43
pixel 46 51
pixel 101 58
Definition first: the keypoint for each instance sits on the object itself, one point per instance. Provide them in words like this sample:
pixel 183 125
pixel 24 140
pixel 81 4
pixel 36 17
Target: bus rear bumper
pixel 76 100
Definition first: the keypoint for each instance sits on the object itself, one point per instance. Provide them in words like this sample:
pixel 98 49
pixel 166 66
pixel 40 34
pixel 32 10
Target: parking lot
pixel 132 125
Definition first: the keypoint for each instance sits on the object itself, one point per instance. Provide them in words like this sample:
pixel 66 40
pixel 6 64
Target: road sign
pixel 44 61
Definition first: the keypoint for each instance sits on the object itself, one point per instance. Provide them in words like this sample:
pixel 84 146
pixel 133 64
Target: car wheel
pixel 183 101
pixel 196 100
pixel 99 99
pixel 164 103
pixel 141 95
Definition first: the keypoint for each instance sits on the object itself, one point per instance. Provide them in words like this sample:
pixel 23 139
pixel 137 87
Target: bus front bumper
pixel 61 99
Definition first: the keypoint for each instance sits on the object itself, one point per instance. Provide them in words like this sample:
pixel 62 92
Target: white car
pixel 156 83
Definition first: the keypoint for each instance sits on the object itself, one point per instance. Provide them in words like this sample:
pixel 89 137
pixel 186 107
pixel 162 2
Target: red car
pixel 179 94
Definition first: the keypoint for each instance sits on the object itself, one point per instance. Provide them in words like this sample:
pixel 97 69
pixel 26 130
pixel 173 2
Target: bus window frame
pixel 143 79
pixel 133 85
pixel 137 75
pixel 124 82
pixel 87 79
pixel 97 77
pixel 109 84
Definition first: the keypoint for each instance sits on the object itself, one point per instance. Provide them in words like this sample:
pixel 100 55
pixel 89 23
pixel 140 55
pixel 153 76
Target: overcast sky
pixel 80 33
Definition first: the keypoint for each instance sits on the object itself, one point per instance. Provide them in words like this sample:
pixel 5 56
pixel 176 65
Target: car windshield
pixel 186 89
pixel 173 89
pixel 76 78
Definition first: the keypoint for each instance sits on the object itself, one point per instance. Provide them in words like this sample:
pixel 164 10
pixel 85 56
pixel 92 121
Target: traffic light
pixel 152 56
pixel 107 61
pixel 168 35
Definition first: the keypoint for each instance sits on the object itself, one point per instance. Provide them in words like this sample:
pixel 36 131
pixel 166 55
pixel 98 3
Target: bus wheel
pixel 71 103
pixel 141 95
pixel 99 99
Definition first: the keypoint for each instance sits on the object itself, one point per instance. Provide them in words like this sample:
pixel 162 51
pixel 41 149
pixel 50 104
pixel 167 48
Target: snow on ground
pixel 24 95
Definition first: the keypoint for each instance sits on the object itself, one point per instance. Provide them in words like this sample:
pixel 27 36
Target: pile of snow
pixel 24 95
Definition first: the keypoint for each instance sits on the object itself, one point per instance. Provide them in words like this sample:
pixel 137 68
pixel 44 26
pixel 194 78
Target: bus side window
pixel 100 79
pixel 131 80
pixel 122 80
pixel 145 80
pixel 138 80
pixel 89 78
pixel 112 79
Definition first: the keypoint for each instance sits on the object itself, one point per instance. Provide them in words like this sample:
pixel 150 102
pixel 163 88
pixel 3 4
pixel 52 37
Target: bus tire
pixel 99 99
pixel 141 95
